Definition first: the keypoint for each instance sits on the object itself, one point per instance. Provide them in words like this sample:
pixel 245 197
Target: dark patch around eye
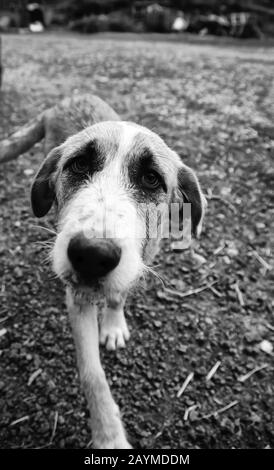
pixel 141 165
pixel 92 154
pixel 70 181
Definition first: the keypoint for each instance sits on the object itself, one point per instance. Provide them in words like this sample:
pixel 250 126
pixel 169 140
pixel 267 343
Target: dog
pixel 101 173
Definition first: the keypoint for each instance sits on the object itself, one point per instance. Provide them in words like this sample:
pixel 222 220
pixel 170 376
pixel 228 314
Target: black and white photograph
pixel 137 228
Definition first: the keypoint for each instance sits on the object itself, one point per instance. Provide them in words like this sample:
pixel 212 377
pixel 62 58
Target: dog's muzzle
pixel 92 258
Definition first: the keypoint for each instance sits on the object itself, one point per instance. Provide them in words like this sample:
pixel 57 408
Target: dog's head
pixel 111 183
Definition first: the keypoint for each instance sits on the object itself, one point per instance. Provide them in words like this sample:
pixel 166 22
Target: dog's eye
pixel 80 165
pixel 151 180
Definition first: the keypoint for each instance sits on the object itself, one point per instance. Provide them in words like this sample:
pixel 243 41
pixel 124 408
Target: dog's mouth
pixel 91 291
pixel 78 283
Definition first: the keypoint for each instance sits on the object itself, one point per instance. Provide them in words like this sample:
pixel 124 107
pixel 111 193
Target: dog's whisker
pixel 47 259
pixel 44 228
pixel 54 277
pixel 45 243
pixel 154 273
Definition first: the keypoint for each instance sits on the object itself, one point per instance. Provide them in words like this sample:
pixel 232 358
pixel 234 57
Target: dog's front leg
pixel 106 425
pixel 114 331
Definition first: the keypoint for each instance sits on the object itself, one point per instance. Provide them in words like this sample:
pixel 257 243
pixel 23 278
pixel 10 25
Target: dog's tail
pixel 23 139
pixel 56 124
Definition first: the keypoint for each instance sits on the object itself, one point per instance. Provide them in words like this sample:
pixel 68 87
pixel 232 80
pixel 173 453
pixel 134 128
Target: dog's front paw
pixel 114 332
pixel 111 435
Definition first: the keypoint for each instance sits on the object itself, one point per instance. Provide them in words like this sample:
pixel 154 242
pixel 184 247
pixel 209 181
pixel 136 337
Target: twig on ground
pixel 190 292
pixel 243 378
pixel 213 371
pixel 219 402
pixel 221 410
pixel 52 434
pixel 219 249
pixel 266 265
pixel 54 428
pixel 239 294
pixel 185 384
pixel 24 418
pixel 188 411
pixel 216 292
pixel 33 376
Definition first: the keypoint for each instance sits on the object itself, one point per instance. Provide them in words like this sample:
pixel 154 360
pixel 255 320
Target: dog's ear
pixel 43 187
pixel 190 192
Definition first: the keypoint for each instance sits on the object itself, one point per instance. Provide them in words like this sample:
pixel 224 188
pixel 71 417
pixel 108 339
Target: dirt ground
pixel 215 106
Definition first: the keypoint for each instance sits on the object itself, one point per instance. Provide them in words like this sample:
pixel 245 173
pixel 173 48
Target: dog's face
pixel 102 180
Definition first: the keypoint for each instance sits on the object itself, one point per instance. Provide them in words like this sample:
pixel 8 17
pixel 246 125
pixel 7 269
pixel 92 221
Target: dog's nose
pixel 93 258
